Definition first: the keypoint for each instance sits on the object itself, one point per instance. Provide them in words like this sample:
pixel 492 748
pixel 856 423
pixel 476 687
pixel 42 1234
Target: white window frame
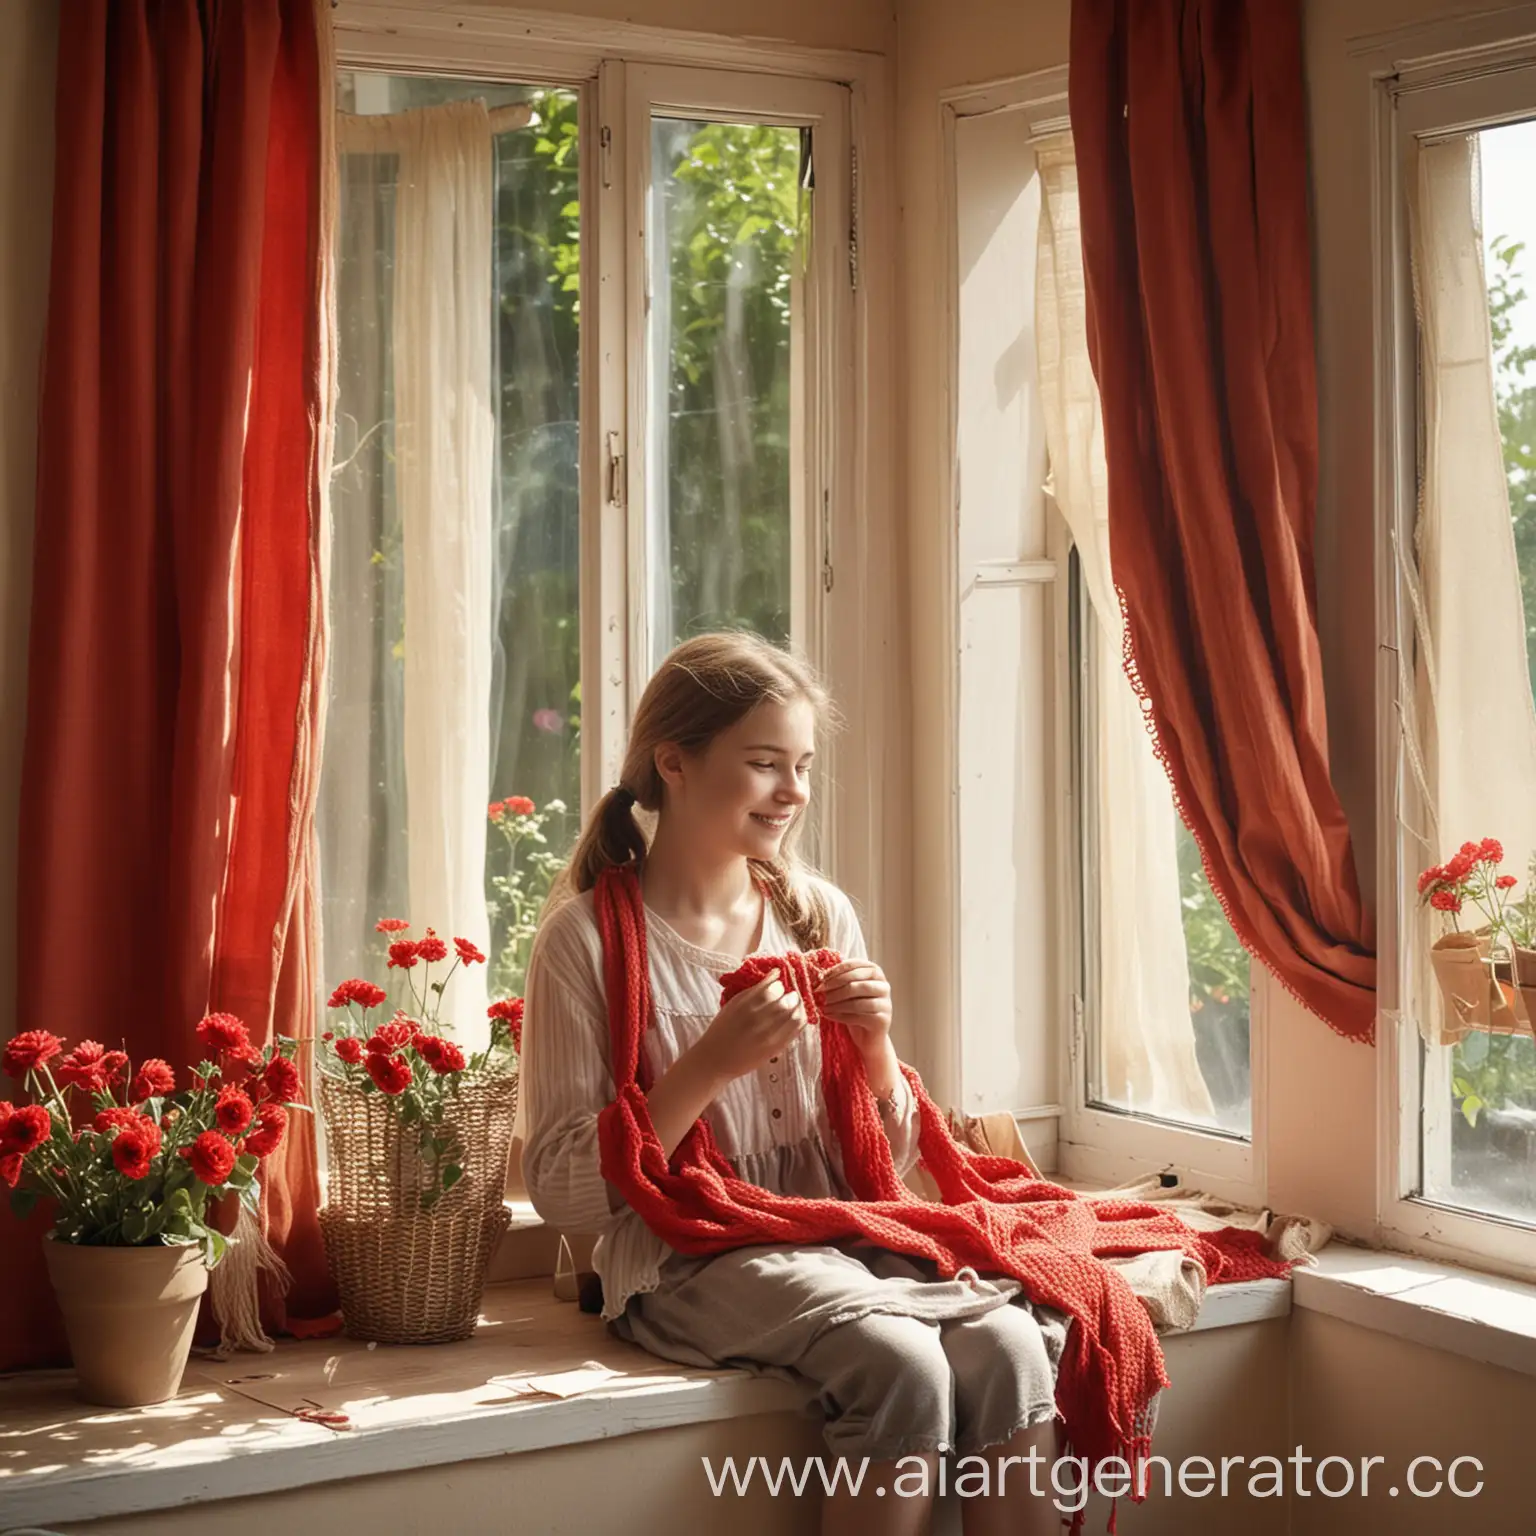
pixel 1085 1143
pixel 851 600
pixel 1490 78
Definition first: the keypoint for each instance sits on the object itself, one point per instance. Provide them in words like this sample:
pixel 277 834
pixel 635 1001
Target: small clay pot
pixel 130 1314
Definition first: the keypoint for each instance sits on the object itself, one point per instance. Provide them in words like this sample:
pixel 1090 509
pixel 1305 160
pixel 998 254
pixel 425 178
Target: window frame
pixel 1434 95
pixel 1083 1142
pixel 854 629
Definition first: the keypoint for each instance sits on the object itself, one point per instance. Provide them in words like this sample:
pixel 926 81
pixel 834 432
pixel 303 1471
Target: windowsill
pixel 1440 1306
pixel 63 1462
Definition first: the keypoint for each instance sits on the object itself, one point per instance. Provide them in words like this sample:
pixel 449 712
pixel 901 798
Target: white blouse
pixel 771 1124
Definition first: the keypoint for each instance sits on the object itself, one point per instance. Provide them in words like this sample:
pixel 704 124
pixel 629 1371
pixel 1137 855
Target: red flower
pixel 363 993
pixel 494 809
pixel 391 1074
pixel 510 1009
pixel 84 1067
pixel 10 1169
pixel 280 1082
pixel 468 953
pixel 154 1077
pixel 271 1126
pixel 133 1153
pixel 224 1034
pixel 115 1120
pixel 1506 882
pixel 25 1129
pixel 1461 865
pixel 233 1110
pixel 1434 873
pixel 30 1049
pixel 1445 901
pixel 390 1037
pixel 402 953
pixel 431 948
pixel 519 805
pixel 1491 851
pixel 391 925
pixel 441 1055
pixel 350 1050
pixel 212 1158
pixel 114 1066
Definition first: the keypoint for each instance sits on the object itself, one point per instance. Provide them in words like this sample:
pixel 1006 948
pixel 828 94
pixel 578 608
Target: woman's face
pixel 742 793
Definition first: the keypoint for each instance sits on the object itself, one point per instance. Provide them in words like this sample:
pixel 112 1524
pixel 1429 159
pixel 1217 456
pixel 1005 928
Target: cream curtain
pixel 1147 1044
pixel 438 364
pixel 1473 743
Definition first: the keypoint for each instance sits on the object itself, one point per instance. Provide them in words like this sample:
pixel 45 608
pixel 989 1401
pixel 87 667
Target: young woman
pixel 903 1364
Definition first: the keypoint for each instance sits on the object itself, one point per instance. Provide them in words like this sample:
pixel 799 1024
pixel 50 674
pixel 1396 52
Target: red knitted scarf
pixel 995 1217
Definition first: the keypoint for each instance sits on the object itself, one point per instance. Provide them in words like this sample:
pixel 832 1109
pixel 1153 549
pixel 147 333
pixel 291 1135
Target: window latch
pixel 615 472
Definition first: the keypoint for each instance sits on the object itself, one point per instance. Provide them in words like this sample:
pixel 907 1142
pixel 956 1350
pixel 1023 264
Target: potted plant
pixel 134 1167
pixel 418 1138
pixel 1474 969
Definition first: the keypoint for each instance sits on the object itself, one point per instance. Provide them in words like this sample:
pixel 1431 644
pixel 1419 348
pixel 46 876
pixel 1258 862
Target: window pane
pixel 1480 1142
pixel 725 224
pixel 519 672
pixel 1167 983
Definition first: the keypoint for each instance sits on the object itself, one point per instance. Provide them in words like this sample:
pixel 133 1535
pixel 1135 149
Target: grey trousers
pixel 899 1361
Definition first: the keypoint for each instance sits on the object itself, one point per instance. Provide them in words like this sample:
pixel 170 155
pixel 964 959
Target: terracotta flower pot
pixel 130 1314
pixel 1473 998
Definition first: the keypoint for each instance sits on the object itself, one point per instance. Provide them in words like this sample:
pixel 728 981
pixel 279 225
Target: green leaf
pixel 214 1246
pixel 451 1175
pixel 1470 1106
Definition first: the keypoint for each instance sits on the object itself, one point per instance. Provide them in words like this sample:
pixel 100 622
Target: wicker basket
pixel 408 1276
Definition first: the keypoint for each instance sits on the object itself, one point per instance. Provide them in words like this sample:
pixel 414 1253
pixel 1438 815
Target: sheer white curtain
pixel 1147 1043
pixel 1475 738
pixel 436 388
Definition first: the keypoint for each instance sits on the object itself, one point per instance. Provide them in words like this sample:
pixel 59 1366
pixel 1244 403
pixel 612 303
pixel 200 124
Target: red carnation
pixel 133 1153
pixel 233 1110
pixel 30 1049
pixel 391 925
pixel 1461 865
pixel 271 1126
pixel 1430 876
pixel 390 1037
pixel 1490 851
pixel 153 1078
pixel 441 1055
pixel 468 953
pixel 431 948
pixel 115 1120
pixel 10 1169
pixel 212 1158
pixel 1445 901
pixel 518 805
pixel 495 809
pixel 510 1009
pixel 224 1034
pixel 391 1074
pixel 25 1129
pixel 114 1066
pixel 402 953
pixel 350 1050
pixel 84 1067
pixel 280 1082
pixel 1506 882
pixel 364 993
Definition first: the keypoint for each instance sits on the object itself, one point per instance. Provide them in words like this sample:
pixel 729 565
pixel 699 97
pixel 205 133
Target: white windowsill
pixel 62 1462
pixel 1440 1306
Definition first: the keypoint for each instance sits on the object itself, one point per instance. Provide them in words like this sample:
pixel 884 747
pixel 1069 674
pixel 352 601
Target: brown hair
pixel 704 687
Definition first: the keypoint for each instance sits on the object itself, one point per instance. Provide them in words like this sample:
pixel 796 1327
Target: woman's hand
pixel 857 994
pixel 753 1026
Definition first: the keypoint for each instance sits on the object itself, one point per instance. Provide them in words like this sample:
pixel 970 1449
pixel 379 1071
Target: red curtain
pixel 1189 127
pixel 168 771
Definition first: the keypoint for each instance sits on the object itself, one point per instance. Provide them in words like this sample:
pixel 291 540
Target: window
pixel 588 405
pixel 1460 527
pixel 1096 967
